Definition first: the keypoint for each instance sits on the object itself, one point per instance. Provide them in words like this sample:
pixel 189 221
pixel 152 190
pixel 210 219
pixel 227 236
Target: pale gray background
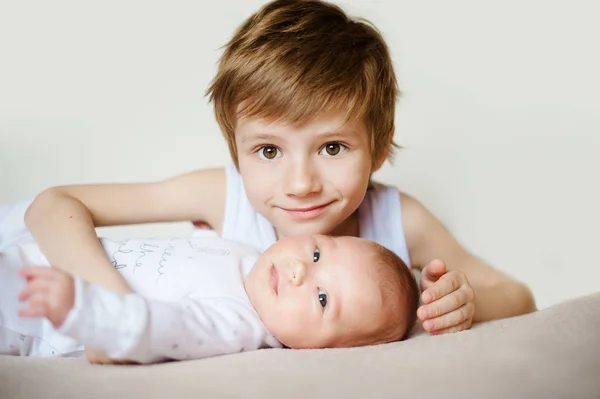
pixel 499 115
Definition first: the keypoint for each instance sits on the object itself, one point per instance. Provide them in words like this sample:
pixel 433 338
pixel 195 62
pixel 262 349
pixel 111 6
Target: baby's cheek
pixel 287 317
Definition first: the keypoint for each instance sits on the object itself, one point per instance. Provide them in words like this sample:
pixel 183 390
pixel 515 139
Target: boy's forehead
pixel 339 113
pixel 327 123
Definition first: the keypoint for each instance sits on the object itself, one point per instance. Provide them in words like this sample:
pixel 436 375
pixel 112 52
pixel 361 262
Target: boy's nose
pixel 302 180
pixel 298 272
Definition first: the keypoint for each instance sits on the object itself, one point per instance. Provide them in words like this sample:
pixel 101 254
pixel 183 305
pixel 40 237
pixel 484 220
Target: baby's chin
pixel 301 343
pixel 300 340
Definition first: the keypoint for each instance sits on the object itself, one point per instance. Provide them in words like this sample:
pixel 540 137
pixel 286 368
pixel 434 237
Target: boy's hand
pixel 448 299
pixel 50 293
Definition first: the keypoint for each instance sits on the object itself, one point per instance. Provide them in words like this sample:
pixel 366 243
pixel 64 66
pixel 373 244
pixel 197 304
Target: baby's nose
pixel 298 272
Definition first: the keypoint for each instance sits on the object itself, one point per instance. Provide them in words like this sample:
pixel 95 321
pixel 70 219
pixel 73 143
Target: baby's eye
pixel 322 297
pixel 316 255
pixel 333 149
pixel 269 153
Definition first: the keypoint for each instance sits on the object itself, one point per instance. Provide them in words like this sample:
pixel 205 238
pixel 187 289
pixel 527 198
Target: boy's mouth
pixel 274 280
pixel 307 212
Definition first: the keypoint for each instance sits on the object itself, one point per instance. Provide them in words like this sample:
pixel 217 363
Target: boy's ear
pixel 379 163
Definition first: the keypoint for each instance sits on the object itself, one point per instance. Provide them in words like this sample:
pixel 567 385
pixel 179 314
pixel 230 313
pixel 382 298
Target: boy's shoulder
pixel 414 213
pixel 411 208
pixel 418 223
pixel 426 236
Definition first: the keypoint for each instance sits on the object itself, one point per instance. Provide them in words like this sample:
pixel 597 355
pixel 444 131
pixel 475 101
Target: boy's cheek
pixel 258 184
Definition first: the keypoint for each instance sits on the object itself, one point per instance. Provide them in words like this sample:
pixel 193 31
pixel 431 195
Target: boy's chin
pixel 306 228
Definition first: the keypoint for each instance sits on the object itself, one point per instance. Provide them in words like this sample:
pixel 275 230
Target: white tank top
pixel 379 215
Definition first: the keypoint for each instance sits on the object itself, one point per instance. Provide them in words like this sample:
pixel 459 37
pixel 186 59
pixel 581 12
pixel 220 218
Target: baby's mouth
pixel 274 279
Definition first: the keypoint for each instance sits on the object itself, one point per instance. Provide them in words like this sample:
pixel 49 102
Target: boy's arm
pixel 496 295
pixel 63 219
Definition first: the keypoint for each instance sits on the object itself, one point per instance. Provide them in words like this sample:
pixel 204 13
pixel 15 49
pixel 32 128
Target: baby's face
pixel 313 291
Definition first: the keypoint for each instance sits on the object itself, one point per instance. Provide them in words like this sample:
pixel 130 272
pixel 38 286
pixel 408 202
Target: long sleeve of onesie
pixel 143 330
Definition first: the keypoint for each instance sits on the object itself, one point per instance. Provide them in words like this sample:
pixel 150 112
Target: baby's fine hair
pixel 400 293
pixel 294 59
pixel 400 297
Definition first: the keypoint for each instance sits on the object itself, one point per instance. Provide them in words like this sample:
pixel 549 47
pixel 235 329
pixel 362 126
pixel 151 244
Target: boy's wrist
pixel 505 299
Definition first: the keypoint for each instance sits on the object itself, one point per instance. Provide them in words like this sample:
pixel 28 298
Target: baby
pixel 200 297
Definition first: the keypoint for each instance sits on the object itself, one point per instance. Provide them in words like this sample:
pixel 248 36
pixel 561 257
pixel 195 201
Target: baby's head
pixel 321 292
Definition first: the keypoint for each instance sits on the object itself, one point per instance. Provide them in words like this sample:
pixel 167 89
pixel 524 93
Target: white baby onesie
pixel 190 303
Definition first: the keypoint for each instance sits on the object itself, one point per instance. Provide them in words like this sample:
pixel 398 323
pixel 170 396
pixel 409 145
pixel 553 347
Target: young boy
pixel 305 97
pixel 201 297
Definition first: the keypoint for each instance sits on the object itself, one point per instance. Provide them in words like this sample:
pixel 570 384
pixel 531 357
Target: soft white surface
pixel 499 116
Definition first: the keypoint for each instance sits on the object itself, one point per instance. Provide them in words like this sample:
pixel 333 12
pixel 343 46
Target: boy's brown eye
pixel 269 152
pixel 332 148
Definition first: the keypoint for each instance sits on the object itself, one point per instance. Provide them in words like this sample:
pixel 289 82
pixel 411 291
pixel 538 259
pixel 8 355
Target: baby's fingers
pixel 460 316
pixel 35 286
pixel 36 307
pixel 30 311
pixel 38 272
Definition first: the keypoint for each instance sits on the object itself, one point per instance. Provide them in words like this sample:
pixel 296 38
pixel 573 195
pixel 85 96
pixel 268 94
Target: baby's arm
pixel 132 328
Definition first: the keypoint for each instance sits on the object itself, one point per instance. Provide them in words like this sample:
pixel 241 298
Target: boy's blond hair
pixel 294 59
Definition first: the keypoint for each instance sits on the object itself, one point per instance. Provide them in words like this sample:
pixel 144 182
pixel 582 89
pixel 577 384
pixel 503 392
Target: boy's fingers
pixel 434 270
pixel 449 320
pixel 443 305
pixel 465 325
pixel 440 289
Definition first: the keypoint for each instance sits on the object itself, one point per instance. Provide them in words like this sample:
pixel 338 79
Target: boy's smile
pixel 308 212
pixel 304 178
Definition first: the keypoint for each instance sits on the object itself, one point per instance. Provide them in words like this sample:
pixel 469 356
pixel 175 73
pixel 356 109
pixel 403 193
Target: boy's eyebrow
pixel 330 134
pixel 339 133
pixel 258 137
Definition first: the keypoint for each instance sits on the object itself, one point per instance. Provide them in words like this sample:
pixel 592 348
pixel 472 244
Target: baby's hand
pixel 448 299
pixel 50 293
pixel 97 357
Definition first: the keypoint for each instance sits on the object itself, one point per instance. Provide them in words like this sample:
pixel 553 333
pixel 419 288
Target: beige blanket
pixel 553 353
